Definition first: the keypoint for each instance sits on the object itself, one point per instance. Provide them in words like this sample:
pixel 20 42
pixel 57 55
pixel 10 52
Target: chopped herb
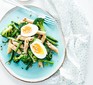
pixel 30 15
pixel 17 17
pixel 1 48
pixel 22 67
pixel 5 41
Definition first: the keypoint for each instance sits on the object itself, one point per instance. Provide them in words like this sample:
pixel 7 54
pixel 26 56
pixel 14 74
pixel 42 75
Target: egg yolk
pixel 38 49
pixel 27 29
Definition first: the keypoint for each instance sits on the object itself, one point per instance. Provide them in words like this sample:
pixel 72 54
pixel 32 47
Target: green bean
pixel 11 38
pixel 11 58
pixel 18 46
pixel 47 48
pixel 47 61
pixel 33 57
pixel 14 33
pixel 52 42
pixel 15 25
pixel 5 41
pixel 49 37
pixel 49 55
pixel 29 65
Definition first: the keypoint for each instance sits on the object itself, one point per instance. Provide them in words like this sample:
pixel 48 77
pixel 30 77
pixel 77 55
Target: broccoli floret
pixel 23 57
pixel 7 32
pixel 13 29
pixel 10 31
pixel 16 59
pixel 39 22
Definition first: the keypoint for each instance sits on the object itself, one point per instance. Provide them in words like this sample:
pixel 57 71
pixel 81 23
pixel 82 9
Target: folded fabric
pixel 75 29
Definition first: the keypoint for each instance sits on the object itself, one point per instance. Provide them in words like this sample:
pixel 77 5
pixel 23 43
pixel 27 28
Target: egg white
pixel 33 31
pixel 40 56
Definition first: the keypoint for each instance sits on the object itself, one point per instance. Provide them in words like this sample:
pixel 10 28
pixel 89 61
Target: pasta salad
pixel 28 42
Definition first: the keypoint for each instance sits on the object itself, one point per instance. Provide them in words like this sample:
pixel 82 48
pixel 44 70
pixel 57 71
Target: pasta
pixel 41 32
pixel 43 38
pixel 13 47
pixel 28 20
pixel 26 46
pixel 16 44
pixel 52 47
pixel 40 64
pixel 20 37
pixel 30 38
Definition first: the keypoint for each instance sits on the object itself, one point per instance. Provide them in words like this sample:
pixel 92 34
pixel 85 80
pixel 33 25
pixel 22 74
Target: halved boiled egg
pixel 29 30
pixel 38 49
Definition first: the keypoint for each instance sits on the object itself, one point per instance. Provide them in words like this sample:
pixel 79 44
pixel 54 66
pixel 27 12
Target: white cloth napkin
pixel 75 30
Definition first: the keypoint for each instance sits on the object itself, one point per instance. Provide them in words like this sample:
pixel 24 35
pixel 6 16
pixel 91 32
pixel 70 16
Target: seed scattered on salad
pixel 29 43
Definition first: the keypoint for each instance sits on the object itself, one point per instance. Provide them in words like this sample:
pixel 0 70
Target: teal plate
pixel 33 74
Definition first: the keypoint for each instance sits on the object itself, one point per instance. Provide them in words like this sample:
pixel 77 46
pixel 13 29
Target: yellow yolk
pixel 38 49
pixel 27 29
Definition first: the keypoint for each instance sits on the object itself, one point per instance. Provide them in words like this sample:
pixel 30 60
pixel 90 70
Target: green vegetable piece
pixel 49 56
pixel 34 58
pixel 52 42
pixel 23 57
pixel 5 41
pixel 15 25
pixel 11 38
pixel 20 43
pixel 47 61
pixel 11 57
pixel 51 38
pixel 14 33
pixel 39 22
pixel 22 24
pixel 16 59
pixel 7 32
pixel 29 65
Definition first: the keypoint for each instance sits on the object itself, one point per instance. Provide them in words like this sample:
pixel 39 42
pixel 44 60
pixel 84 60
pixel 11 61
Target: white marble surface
pixel 86 6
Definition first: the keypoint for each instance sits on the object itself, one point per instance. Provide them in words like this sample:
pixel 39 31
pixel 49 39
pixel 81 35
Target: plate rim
pixel 35 81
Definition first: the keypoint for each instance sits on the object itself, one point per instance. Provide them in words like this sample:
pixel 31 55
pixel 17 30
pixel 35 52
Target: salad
pixel 28 42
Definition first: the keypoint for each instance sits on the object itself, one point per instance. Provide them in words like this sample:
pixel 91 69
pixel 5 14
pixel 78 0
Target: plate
pixel 34 74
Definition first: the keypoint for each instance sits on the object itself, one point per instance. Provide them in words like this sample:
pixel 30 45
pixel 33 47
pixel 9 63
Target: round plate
pixel 33 74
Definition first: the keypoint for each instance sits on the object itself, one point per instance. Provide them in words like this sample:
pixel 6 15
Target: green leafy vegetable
pixel 23 57
pixel 39 22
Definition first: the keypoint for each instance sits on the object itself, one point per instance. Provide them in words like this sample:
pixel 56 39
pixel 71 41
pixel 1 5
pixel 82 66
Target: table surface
pixel 86 6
